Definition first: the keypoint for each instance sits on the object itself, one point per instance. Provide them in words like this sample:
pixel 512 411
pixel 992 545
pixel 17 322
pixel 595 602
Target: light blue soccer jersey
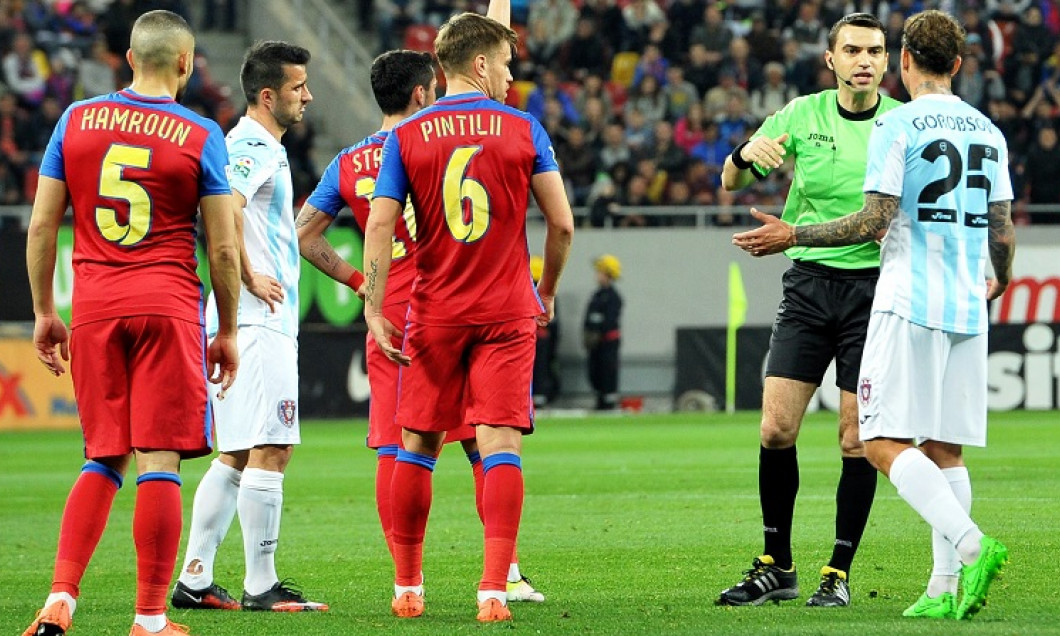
pixel 947 162
pixel 258 170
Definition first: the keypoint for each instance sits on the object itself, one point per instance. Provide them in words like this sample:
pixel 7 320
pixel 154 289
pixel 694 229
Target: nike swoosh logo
pixel 357 380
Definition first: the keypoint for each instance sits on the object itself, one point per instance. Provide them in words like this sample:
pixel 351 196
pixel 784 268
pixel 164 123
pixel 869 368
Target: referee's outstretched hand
pixel 772 237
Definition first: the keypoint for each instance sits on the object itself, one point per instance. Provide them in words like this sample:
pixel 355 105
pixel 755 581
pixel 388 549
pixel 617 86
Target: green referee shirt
pixel 830 152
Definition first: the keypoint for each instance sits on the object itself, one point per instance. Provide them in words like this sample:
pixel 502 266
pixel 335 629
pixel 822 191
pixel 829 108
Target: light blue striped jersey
pixel 258 170
pixel 947 162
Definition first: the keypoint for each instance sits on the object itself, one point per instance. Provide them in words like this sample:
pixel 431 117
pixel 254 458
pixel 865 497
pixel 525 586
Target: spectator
pixel 548 87
pixel 392 17
pixel 586 54
pixel 14 134
pixel 808 31
pixel 1022 72
pixel 595 118
pixel 647 99
pixel 116 25
pixel 798 73
pixel 746 70
pixel 713 33
pixel 96 73
pixel 25 68
pixel 62 81
pixel 667 155
pixel 593 88
pixel 556 123
pixel 976 86
pixel 735 123
pixel 655 180
pixel 609 22
pixel 1042 171
pixel 602 333
pixel 578 164
pixel 764 43
pixel 39 129
pixel 640 16
pixel 689 129
pixel 552 24
pixel 701 72
pixel 636 196
pixel 298 141
pixel 773 94
pixel 638 131
pixel 712 151
pixel 10 185
pixel 701 182
pixel 682 16
pixel 679 93
pixel 651 63
pixel 974 25
pixel 615 150
pixel 1033 34
pixel 717 98
pixel 604 208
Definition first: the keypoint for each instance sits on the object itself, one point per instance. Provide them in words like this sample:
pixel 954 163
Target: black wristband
pixel 739 161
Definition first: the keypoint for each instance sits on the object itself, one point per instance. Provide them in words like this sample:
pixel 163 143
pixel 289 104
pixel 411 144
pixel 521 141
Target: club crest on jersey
pixel 864 389
pixel 242 166
pixel 286 411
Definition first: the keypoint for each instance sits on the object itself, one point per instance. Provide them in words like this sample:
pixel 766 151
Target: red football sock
pixel 157 522
pixel 84 519
pixel 384 477
pixel 477 473
pixel 503 503
pixel 410 512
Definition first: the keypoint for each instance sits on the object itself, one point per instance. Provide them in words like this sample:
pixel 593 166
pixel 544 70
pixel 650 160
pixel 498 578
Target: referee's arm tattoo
pixel 861 227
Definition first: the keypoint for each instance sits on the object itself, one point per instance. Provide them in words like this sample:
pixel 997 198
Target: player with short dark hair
pixel 938 185
pixel 349 180
pixel 258 423
pixel 136 167
pixel 825 309
pixel 468 164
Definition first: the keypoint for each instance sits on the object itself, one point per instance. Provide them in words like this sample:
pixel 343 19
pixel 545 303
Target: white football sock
pixel 211 517
pixel 153 623
pixel 514 576
pixel 260 503
pixel 485 595
pixel 923 486
pixel 55 597
pixel 947 563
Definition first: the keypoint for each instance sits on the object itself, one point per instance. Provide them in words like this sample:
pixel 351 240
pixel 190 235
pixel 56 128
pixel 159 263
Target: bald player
pixel 136 167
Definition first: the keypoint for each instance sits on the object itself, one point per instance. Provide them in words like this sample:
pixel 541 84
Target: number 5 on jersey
pixel 114 185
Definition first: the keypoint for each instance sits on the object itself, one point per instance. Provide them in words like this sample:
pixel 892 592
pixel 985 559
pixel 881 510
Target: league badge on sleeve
pixel 243 166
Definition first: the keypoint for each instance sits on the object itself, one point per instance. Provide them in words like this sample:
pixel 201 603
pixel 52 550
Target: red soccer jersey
pixel 466 163
pixel 136 167
pixel 350 181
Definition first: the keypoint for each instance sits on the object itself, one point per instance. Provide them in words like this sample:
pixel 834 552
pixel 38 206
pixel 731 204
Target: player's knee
pixel 779 433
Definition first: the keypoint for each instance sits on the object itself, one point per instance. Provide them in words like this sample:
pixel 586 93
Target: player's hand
pixel 383 331
pixel 765 151
pixel 994 288
pixel 222 362
pixel 52 341
pixel 550 310
pixel 774 236
pixel 360 290
pixel 267 288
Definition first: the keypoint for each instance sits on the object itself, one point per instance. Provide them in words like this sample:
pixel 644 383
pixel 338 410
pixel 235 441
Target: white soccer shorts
pixel 262 405
pixel 922 384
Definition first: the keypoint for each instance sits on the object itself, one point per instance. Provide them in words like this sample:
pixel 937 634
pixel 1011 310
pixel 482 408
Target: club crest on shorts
pixel 286 411
pixel 864 389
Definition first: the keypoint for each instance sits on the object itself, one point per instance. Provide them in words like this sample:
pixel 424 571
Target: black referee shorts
pixel 824 315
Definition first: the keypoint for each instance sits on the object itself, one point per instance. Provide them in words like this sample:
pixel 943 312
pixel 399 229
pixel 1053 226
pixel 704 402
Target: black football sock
pixel 778 483
pixel 853 499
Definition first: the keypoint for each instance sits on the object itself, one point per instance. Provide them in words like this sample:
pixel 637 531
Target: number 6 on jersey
pixel 457 187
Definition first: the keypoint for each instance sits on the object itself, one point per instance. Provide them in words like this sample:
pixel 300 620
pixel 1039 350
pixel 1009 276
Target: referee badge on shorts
pixel 864 390
pixel 286 410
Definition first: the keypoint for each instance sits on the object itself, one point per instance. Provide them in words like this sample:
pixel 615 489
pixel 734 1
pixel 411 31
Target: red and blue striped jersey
pixel 466 164
pixel 135 167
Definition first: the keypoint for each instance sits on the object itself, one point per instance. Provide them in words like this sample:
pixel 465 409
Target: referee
pixel 825 309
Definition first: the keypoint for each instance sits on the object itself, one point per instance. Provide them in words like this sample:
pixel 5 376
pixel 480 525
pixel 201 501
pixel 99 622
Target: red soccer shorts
pixel 140 382
pixel 476 374
pixel 383 382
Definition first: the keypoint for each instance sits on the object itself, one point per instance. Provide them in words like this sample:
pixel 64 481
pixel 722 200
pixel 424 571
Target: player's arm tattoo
pixel 861 227
pixel 307 214
pixel 1002 239
pixel 370 279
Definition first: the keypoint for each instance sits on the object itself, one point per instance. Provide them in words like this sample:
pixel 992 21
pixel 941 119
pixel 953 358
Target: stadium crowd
pixel 643 98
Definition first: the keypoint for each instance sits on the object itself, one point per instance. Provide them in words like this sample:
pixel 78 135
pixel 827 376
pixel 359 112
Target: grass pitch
pixel 632 525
